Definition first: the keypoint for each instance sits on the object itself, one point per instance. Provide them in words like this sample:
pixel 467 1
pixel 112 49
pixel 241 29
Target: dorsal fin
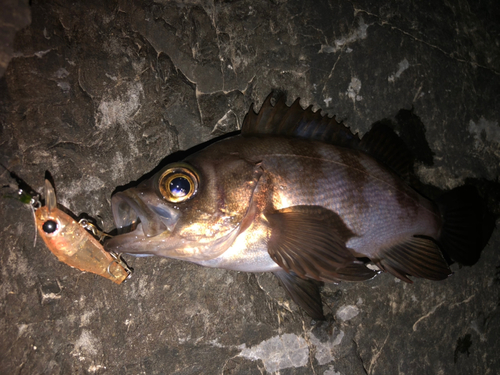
pixel 294 121
pixel 381 142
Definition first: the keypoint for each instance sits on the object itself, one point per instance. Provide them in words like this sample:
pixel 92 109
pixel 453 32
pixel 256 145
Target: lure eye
pixel 50 226
pixel 178 184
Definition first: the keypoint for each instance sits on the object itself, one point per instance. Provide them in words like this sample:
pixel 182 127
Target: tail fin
pixel 467 225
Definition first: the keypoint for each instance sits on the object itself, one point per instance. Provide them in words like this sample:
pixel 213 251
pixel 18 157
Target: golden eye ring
pixel 178 184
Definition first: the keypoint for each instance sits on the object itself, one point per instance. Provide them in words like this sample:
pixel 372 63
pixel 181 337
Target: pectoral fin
pixel 304 293
pixel 311 242
pixel 417 256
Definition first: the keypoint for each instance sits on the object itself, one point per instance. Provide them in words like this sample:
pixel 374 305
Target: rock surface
pixel 100 93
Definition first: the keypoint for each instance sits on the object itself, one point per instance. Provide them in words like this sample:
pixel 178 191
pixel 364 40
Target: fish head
pixel 192 210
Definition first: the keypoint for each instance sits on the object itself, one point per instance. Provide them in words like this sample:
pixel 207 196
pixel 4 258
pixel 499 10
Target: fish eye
pixel 178 184
pixel 50 226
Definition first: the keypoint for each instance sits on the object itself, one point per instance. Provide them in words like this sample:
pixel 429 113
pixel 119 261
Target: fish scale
pixel 364 203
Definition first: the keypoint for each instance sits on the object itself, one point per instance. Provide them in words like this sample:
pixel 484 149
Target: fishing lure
pixel 72 244
pixel 69 240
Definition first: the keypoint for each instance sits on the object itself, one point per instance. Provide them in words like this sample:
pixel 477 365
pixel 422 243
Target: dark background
pixel 98 93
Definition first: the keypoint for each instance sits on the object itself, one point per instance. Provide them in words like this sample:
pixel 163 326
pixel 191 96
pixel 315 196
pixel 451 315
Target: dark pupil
pixel 179 187
pixel 49 226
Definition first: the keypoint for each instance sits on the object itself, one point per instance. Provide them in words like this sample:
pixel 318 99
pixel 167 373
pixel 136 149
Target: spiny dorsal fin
pixel 294 121
pixel 381 142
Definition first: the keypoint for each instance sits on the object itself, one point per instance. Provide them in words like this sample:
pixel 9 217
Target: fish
pixel 297 194
pixel 72 244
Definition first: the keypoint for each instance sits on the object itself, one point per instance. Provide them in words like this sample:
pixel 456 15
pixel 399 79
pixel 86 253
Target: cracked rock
pixel 101 93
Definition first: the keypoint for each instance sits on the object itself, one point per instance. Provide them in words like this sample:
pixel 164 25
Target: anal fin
pixel 304 293
pixel 418 256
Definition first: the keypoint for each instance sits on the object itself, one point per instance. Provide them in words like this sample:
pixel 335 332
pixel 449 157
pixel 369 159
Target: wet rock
pixel 100 93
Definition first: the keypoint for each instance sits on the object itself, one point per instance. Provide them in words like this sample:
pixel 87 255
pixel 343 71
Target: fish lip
pixel 126 242
pixel 134 206
pixel 125 217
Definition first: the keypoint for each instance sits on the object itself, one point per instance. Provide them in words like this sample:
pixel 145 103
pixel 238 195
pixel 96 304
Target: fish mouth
pixel 147 228
pixel 139 217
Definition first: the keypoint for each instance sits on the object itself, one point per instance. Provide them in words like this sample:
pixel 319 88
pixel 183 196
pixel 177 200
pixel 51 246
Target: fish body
pixel 373 203
pixel 296 194
pixel 72 244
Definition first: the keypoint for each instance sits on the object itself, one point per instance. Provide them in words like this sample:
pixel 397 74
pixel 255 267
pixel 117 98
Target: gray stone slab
pixel 99 93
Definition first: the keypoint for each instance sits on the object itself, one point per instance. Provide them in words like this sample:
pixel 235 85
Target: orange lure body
pixel 74 245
